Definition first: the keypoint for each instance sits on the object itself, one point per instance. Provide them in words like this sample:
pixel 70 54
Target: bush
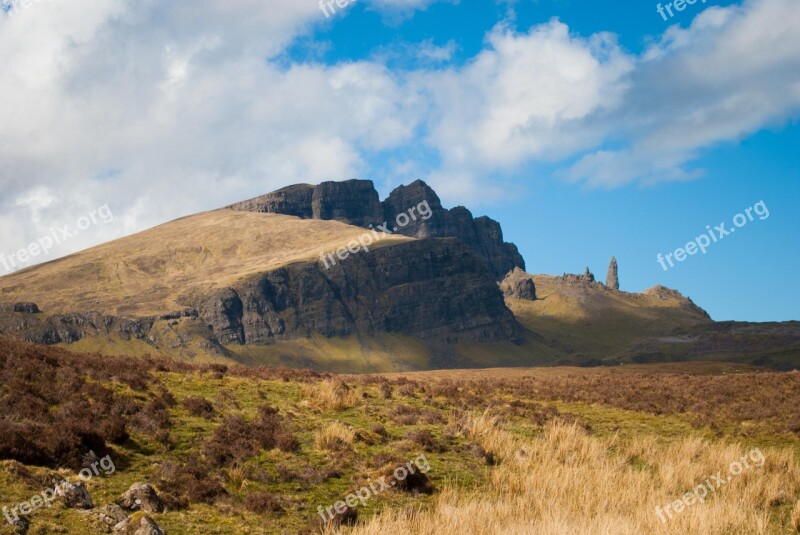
pixel 199 406
pixel 237 439
pixel 262 502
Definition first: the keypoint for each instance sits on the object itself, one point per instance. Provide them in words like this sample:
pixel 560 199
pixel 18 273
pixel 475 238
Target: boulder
pixel 110 515
pixel 138 524
pixel 76 496
pixel 141 497
pixel 519 285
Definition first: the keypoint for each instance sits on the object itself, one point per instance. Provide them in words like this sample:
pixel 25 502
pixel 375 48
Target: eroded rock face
pixel 612 279
pixel 482 234
pixel 293 200
pixel 435 290
pixel 73 327
pixel 356 202
pixel 519 285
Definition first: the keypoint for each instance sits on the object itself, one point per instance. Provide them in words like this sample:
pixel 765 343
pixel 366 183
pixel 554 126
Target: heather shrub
pixel 199 406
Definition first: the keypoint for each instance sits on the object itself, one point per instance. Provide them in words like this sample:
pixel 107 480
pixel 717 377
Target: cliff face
pixel 356 202
pixel 434 290
pixel 437 291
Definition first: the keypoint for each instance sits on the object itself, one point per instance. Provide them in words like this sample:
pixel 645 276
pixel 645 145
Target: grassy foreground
pixel 560 450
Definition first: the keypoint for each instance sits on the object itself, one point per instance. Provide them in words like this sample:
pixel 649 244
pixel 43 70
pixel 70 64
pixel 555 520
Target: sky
pixel 588 129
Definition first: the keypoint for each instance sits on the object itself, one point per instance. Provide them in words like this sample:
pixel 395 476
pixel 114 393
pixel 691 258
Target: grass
pixel 556 450
pixel 149 273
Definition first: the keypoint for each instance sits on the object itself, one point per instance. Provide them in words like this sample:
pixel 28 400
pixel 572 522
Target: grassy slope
pixel 615 433
pixel 592 321
pixel 148 272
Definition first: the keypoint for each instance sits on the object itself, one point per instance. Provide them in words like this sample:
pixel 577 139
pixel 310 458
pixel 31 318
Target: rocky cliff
pixel 356 202
pixel 435 290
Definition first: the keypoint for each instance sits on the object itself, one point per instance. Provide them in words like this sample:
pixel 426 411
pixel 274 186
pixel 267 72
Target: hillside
pixel 261 282
pixel 586 323
pixel 261 287
pixel 153 272
pixel 262 451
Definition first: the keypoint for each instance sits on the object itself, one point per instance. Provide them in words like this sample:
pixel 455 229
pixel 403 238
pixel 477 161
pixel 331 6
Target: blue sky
pixel 561 227
pixel 587 129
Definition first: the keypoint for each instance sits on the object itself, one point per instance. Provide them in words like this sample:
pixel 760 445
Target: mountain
pixel 247 283
pixel 330 277
pixel 356 202
pixel 587 323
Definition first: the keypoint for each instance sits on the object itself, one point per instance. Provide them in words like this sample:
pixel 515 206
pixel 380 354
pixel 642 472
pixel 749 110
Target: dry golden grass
pixel 593 320
pixel 144 274
pixel 796 517
pixel 567 482
pixel 331 394
pixel 334 437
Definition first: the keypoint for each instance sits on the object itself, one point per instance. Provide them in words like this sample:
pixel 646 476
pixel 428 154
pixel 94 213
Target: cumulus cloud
pixel 163 109
pixel 733 72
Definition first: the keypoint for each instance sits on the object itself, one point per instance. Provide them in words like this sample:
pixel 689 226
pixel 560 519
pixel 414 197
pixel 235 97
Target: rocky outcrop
pixel 141 497
pixel 138 524
pixel 482 234
pixel 69 328
pixel 436 290
pixel 22 308
pixel 293 200
pixel 586 277
pixel 356 202
pixel 612 278
pixel 519 285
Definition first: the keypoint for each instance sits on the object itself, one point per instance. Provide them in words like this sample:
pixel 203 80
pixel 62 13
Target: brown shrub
pixel 189 483
pixel 262 502
pixel 199 406
pixel 237 439
pixel 425 440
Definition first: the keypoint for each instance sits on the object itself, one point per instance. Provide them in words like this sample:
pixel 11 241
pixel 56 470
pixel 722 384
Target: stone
pixel 612 279
pixel 110 515
pixel 76 496
pixel 138 524
pixel 519 285
pixel 26 308
pixel 141 497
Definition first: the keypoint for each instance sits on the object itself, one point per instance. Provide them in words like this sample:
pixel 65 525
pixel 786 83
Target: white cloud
pixel 733 72
pixel 179 108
